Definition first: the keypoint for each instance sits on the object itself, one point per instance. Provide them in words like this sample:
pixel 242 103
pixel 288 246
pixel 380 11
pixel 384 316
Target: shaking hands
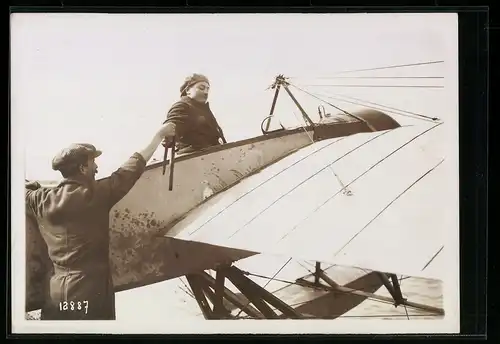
pixel 167 132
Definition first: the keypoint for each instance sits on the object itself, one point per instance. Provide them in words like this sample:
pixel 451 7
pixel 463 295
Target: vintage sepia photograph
pixel 234 173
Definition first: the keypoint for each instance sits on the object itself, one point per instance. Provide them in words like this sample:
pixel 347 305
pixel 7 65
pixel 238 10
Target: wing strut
pixel 273 105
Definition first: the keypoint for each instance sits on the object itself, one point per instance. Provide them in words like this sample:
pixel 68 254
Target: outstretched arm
pixel 167 133
pixel 124 178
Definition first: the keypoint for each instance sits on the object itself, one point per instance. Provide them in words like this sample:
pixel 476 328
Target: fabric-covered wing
pixel 393 221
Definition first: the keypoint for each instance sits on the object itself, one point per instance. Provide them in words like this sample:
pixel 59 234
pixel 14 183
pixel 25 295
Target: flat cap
pixel 77 153
pixel 191 80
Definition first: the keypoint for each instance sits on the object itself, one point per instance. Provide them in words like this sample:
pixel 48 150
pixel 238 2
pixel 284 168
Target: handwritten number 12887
pixel 74 306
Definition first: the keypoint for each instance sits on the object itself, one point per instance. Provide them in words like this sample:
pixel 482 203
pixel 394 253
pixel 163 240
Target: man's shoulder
pixel 182 103
pixel 61 198
pixel 45 190
pixel 66 190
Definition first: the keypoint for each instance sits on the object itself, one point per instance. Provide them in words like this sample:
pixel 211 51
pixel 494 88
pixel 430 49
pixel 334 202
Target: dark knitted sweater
pixel 196 126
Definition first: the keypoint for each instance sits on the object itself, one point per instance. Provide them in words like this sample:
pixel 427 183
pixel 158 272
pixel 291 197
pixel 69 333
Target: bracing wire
pixel 375 86
pixel 433 257
pixel 360 176
pixel 344 188
pixel 309 178
pixel 377 77
pixel 264 182
pixel 400 112
pixel 388 205
pixel 270 280
pixel 389 67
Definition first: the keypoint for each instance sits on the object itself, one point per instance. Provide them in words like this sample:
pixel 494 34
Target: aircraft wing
pixel 394 220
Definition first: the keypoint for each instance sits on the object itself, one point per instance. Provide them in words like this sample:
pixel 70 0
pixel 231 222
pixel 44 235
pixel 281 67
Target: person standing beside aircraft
pixel 73 219
pixel 196 126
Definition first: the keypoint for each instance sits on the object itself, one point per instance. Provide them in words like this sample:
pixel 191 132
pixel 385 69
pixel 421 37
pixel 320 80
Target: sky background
pixel 110 79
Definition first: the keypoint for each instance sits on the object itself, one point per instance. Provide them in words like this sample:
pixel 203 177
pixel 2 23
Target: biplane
pixel 333 192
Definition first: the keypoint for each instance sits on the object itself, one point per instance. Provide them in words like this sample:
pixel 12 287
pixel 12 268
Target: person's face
pixel 90 170
pixel 199 91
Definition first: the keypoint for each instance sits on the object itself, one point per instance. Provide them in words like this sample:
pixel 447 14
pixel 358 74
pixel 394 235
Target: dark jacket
pixel 74 222
pixel 196 126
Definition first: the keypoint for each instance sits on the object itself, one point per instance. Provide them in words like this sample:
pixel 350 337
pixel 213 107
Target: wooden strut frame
pixel 256 302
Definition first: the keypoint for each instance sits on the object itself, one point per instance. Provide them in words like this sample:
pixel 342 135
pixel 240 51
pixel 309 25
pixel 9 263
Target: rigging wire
pixel 338 108
pixel 264 182
pixel 335 316
pixel 406 311
pixel 376 86
pixel 403 294
pixel 389 67
pixel 187 292
pixel 187 288
pixel 379 108
pixel 433 257
pixel 318 97
pixel 307 179
pixel 400 112
pixel 347 191
pixel 361 175
pixel 373 77
pixel 335 74
pixel 270 280
pixel 387 206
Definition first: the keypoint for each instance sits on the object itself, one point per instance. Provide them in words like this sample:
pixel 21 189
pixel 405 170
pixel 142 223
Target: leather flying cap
pixel 77 153
pixel 191 80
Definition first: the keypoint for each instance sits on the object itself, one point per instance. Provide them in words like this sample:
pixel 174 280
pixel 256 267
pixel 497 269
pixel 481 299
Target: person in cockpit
pixel 196 127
